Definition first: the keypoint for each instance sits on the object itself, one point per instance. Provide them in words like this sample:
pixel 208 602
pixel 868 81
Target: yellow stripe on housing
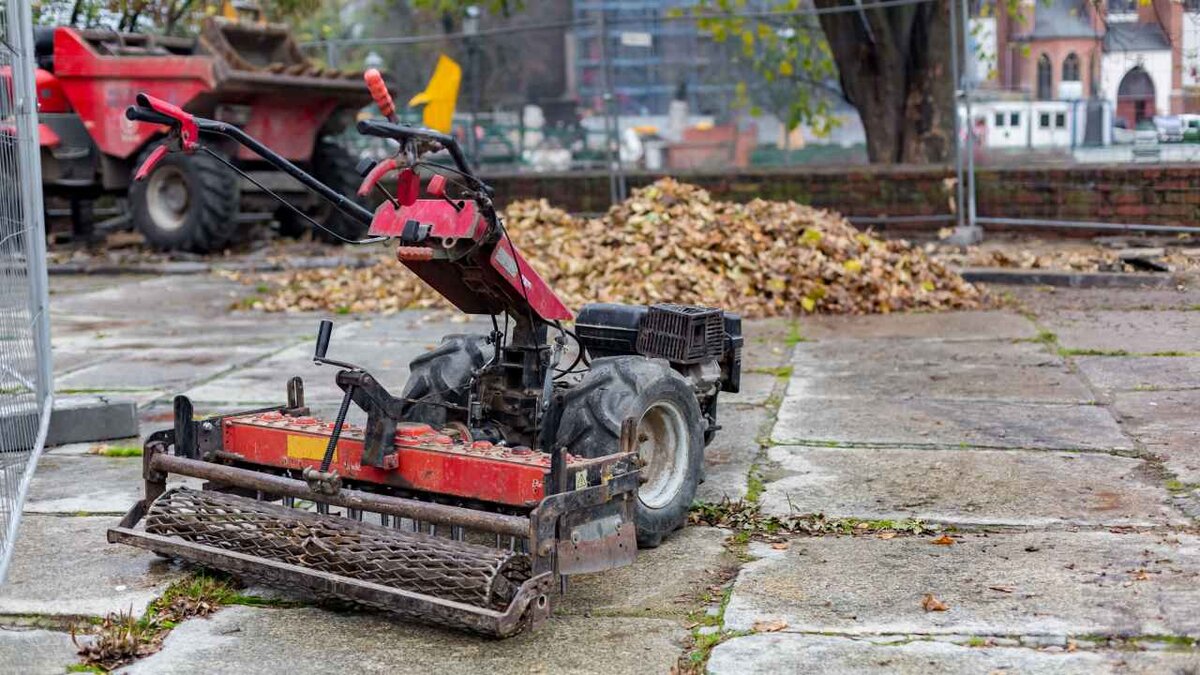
pixel 308 447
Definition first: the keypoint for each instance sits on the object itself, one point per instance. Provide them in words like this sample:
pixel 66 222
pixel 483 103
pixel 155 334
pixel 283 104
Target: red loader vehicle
pixel 249 75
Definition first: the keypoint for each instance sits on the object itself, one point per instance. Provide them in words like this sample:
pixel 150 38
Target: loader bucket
pixel 251 57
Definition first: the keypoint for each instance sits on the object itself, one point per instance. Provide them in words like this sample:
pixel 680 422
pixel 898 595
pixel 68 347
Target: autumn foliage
pixel 672 242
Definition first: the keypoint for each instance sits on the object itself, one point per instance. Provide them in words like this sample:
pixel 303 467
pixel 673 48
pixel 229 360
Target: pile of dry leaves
pixel 672 242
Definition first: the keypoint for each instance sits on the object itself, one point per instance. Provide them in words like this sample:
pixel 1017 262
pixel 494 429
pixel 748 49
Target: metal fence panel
pixel 25 375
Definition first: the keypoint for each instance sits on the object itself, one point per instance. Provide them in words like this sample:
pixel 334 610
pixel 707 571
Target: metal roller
pixel 435 566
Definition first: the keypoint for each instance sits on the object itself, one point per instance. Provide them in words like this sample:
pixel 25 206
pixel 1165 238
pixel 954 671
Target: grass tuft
pixel 120 638
pixel 116 450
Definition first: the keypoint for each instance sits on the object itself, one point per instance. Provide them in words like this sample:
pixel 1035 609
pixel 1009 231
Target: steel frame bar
pixel 471 519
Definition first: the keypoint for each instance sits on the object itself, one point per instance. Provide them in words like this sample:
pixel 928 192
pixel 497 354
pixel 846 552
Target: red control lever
pixel 379 92
pixel 437 186
pixel 375 175
pixel 189 133
pixel 151 162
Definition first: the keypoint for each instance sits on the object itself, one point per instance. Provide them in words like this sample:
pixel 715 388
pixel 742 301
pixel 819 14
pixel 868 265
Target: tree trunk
pixel 894 65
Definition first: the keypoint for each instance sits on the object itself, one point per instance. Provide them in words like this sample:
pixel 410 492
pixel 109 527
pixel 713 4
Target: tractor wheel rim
pixel 167 197
pixel 663 449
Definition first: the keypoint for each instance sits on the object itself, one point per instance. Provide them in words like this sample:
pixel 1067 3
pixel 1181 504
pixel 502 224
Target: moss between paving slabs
pixel 120 638
pixel 117 450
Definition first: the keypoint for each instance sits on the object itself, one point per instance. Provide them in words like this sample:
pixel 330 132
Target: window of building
pixel 1191 5
pixel 1014 119
pixel 999 120
pixel 1070 69
pixel 1044 77
pixel 1044 121
pixel 1060 120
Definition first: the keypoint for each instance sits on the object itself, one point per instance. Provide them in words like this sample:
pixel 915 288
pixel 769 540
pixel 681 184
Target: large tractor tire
pixel 334 166
pixel 188 203
pixel 670 434
pixel 441 378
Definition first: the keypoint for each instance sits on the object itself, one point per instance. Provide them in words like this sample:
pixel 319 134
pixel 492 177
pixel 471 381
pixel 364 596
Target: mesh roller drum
pixel 446 569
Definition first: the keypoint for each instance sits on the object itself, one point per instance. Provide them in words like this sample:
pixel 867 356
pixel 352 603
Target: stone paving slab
pixel 728 458
pixel 966 487
pixel 202 296
pixel 1129 373
pixel 755 389
pixel 64 566
pixel 157 368
pixel 766 654
pixel 997 324
pixel 926 353
pixel 125 335
pixel 1133 331
pixel 806 419
pixel 415 325
pixel 1167 423
pixel 265 381
pixel 244 641
pixel 959 371
pixel 662 582
pixel 1035 583
pixel 96 484
pixel 1042 299
pixel 34 652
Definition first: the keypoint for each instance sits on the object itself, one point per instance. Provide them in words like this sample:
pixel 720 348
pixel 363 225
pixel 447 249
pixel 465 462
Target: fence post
pixel 20 22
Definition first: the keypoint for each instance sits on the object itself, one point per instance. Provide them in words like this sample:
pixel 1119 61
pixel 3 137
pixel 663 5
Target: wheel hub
pixel 167 197
pixel 663 450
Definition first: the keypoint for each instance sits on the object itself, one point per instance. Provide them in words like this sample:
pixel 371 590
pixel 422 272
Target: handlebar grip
pixel 137 114
pixel 379 92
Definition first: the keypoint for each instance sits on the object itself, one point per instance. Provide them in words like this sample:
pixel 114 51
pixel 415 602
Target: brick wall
pixel 1124 194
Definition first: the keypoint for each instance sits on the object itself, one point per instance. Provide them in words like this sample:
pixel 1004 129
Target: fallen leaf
pixel 769 626
pixel 887 535
pixel 944 540
pixel 780 546
pixel 932 604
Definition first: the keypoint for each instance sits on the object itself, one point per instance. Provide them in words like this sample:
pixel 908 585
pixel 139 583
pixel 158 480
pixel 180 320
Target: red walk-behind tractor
pixel 247 74
pixel 497 472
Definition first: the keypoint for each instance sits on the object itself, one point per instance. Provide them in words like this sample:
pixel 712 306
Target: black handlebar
pixel 404 132
pixel 138 114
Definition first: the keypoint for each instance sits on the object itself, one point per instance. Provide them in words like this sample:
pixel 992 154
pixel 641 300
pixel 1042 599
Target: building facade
pixel 1139 59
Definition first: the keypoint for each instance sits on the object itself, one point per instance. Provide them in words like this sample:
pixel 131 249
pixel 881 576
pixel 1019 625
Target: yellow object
pixel 229 11
pixel 308 447
pixel 440 95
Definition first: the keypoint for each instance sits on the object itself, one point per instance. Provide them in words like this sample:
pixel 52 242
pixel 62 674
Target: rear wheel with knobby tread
pixel 187 203
pixel 442 377
pixel 670 434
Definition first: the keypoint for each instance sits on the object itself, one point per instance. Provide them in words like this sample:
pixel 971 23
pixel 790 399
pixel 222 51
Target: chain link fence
pixel 25 375
pixel 622 88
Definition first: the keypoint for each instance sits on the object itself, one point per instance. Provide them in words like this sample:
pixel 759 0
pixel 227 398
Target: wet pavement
pixel 1054 440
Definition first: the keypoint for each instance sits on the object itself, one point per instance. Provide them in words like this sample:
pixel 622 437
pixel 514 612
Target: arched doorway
pixel 1135 97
